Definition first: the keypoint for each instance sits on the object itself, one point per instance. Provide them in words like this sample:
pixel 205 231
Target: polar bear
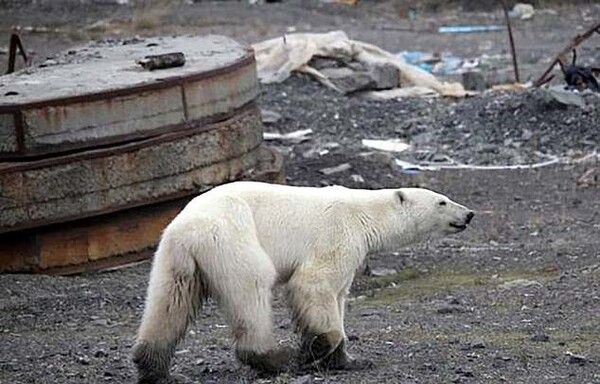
pixel 235 242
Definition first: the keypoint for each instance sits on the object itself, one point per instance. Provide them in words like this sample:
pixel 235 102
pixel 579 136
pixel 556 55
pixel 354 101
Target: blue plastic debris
pixel 444 64
pixel 469 28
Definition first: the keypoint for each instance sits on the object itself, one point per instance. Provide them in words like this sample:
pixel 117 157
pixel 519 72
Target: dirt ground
pixel 514 299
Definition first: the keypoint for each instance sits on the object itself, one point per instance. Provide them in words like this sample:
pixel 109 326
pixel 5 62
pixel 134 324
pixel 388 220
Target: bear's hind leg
pixel 174 296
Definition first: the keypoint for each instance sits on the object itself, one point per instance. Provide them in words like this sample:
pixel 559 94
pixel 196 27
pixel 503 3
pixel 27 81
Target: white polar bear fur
pixel 238 240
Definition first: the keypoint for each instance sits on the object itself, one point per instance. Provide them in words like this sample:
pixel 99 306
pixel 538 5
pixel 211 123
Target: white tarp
pixel 278 57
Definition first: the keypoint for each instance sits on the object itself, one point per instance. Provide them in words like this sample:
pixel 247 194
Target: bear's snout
pixel 469 217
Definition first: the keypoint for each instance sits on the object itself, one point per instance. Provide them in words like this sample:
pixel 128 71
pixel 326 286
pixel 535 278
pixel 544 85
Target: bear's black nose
pixel 469 217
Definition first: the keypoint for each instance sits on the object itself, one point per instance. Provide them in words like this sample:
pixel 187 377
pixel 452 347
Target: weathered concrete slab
pixel 161 168
pixel 97 95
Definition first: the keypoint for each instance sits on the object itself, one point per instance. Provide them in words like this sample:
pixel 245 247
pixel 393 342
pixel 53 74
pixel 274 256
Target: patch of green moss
pixel 410 284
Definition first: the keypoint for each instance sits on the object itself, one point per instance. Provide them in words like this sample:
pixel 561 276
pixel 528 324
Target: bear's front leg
pixel 317 301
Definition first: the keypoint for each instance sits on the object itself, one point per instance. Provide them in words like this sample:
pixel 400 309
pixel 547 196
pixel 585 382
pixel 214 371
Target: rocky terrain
pixel 514 299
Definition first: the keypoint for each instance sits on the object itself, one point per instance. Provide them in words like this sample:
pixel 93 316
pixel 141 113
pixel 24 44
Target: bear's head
pixel 429 215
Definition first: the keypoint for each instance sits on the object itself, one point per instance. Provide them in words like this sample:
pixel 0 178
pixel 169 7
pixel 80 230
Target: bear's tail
pixel 175 293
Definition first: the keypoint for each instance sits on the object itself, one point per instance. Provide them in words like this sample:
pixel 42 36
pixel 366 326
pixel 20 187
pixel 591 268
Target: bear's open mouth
pixel 460 227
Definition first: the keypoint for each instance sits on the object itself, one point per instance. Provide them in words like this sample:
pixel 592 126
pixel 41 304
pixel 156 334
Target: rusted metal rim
pixel 170 133
pixel 108 241
pixel 167 82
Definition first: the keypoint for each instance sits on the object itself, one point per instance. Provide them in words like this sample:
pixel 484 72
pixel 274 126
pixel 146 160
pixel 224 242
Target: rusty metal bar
pixel 511 40
pixel 15 42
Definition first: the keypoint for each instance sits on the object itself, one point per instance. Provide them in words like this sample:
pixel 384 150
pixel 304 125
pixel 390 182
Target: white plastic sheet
pixel 277 58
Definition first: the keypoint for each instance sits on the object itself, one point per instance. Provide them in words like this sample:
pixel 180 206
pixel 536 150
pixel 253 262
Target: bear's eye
pixel 442 203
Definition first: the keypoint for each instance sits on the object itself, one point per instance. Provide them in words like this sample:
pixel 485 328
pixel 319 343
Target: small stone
pixel 477 344
pixel 100 322
pixel 464 372
pixel 83 360
pixel 353 338
pixel 540 337
pixel 357 178
pixel 100 353
pixel 577 359
pixel 446 309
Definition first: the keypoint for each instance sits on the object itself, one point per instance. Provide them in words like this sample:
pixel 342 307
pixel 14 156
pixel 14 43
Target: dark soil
pixel 514 299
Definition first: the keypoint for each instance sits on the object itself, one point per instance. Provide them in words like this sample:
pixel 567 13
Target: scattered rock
pixel 100 353
pixel 83 360
pixel 353 337
pixel 562 97
pixel 477 343
pixel 385 76
pixel 337 169
pixel 464 372
pixel 520 283
pixel 446 309
pixel 577 359
pixel 357 178
pixel 540 337
pixel 348 81
pixel 355 77
pixel 269 117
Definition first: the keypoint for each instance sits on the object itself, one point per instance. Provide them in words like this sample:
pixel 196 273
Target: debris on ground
pixel 391 145
pixel 440 64
pixel 522 11
pixel 295 137
pixel 337 169
pixel 469 28
pixel 162 61
pixel 277 58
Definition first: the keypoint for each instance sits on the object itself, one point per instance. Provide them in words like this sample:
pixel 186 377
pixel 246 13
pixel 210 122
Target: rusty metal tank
pixel 98 154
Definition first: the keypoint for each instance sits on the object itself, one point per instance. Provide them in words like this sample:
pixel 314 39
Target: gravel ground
pixel 515 299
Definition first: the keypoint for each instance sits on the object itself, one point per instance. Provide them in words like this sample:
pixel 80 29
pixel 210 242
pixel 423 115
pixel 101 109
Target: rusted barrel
pixel 98 154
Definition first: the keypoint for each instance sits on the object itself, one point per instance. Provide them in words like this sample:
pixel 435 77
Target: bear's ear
pixel 401 197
